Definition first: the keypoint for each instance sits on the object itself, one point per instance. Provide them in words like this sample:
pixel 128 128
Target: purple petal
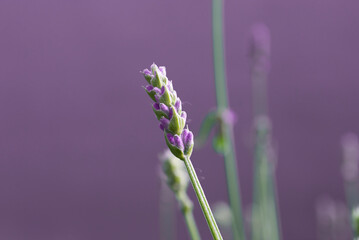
pixel 162 127
pixel 189 138
pixel 146 72
pixel 164 122
pixel 164 108
pixel 149 88
pixel 178 104
pixel 170 86
pixel 170 113
pixel 184 135
pixel 162 90
pixel 157 90
pixel 170 138
pixel 156 106
pixel 184 115
pixel 178 142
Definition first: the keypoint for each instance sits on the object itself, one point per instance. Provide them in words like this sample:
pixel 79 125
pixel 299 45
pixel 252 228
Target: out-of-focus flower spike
pixel 175 171
pixel 350 146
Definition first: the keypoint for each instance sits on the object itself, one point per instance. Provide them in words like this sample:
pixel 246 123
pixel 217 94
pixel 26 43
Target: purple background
pixel 78 139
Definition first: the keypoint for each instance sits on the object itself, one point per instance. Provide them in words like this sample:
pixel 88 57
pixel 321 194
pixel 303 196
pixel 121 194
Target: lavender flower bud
pixel 168 110
pixel 175 145
pixel 164 122
pixel 152 92
pixel 187 138
pixel 148 75
pixel 178 105
pixel 178 142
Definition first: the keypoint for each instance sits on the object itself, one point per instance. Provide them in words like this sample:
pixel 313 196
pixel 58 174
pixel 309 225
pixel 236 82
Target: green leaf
pixel 220 143
pixel 207 125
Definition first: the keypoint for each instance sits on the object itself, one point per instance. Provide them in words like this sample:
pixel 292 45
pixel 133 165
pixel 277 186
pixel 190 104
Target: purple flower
pixel 156 106
pixel 184 116
pixel 164 122
pixel 168 110
pixel 187 139
pixel 164 108
pixel 178 142
pixel 170 138
pixel 178 105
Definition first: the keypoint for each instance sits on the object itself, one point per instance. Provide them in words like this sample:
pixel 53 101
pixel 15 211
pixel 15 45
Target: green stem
pixel 191 225
pixel 167 214
pixel 187 211
pixel 218 54
pixel 264 199
pixel 351 194
pixel 222 104
pixel 216 234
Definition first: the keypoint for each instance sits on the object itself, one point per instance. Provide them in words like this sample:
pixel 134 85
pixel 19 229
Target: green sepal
pixel 148 78
pixel 188 151
pixel 182 123
pixel 159 113
pixel 156 82
pixel 174 98
pixel 174 150
pixel 159 79
pixel 166 98
pixel 151 94
pixel 176 123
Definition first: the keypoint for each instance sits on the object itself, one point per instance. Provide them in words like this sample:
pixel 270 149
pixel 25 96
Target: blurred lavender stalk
pixel 177 180
pixel 167 213
pixel 265 221
pixel 332 220
pixel 350 145
pixel 226 130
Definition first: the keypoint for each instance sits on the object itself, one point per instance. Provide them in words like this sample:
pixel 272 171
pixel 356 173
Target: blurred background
pixel 79 142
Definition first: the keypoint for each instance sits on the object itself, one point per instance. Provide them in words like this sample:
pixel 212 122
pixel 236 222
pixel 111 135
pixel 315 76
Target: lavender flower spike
pixel 168 110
